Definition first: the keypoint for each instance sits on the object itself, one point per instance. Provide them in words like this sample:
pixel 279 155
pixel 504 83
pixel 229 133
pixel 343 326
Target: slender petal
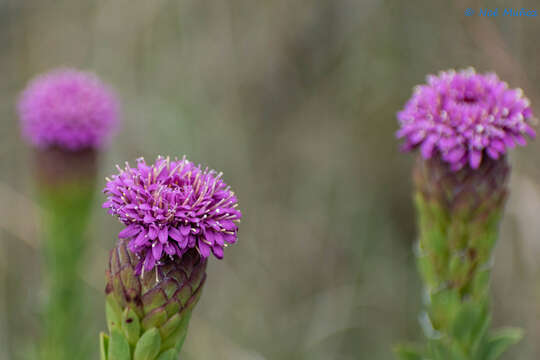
pixel 130 231
pixel 172 206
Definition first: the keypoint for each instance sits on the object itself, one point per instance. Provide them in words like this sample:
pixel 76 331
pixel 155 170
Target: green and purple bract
pixel 68 109
pixel 170 207
pixel 463 117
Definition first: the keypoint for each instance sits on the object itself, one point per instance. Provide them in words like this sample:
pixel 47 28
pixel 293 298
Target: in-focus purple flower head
pixel 170 207
pixel 463 117
pixel 68 109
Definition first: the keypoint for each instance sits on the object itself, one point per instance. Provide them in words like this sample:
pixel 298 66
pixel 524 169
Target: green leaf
pixel 408 352
pixel 480 285
pixel 170 354
pixel 103 345
pixel 499 341
pixel 170 326
pixel 131 326
pixel 481 329
pixel 113 312
pixel 118 347
pixel 427 271
pixel 445 305
pixel 176 339
pixel 148 346
pixel 459 268
pixel 441 351
pixel 468 322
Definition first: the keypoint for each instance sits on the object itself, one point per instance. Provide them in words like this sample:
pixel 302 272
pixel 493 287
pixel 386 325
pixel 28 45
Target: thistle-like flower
pixel 68 109
pixel 464 117
pixel 462 123
pixel 170 207
pixel 176 214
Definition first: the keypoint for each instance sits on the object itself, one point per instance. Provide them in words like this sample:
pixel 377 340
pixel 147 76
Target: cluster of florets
pixel 68 109
pixel 464 116
pixel 170 207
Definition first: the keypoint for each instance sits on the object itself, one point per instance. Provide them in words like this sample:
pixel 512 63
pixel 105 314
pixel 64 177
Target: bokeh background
pixel 295 101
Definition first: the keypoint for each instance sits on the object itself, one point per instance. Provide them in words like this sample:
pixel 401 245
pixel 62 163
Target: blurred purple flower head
pixel 170 207
pixel 68 109
pixel 464 116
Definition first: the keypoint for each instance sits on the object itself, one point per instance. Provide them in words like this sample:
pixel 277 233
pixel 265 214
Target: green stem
pixel 66 213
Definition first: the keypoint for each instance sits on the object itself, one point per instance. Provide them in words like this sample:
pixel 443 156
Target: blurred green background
pixel 295 101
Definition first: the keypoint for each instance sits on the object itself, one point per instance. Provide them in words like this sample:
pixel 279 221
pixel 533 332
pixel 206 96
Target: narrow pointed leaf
pixel 103 345
pixel 131 326
pixel 148 346
pixel 168 355
pixel 118 347
pixel 500 340
pixel 170 326
pixel 408 352
pixel 176 339
pixel 113 313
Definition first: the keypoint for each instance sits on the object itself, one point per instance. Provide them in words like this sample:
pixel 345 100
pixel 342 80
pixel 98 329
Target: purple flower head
pixel 170 207
pixel 464 116
pixel 68 109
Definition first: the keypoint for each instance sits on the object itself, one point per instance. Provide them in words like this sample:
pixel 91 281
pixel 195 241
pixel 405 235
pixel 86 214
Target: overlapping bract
pixel 170 207
pixel 463 117
pixel 68 109
pixel 148 315
pixel 459 214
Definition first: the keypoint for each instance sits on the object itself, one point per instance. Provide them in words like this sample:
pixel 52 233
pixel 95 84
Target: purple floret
pixel 170 207
pixel 68 109
pixel 464 116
